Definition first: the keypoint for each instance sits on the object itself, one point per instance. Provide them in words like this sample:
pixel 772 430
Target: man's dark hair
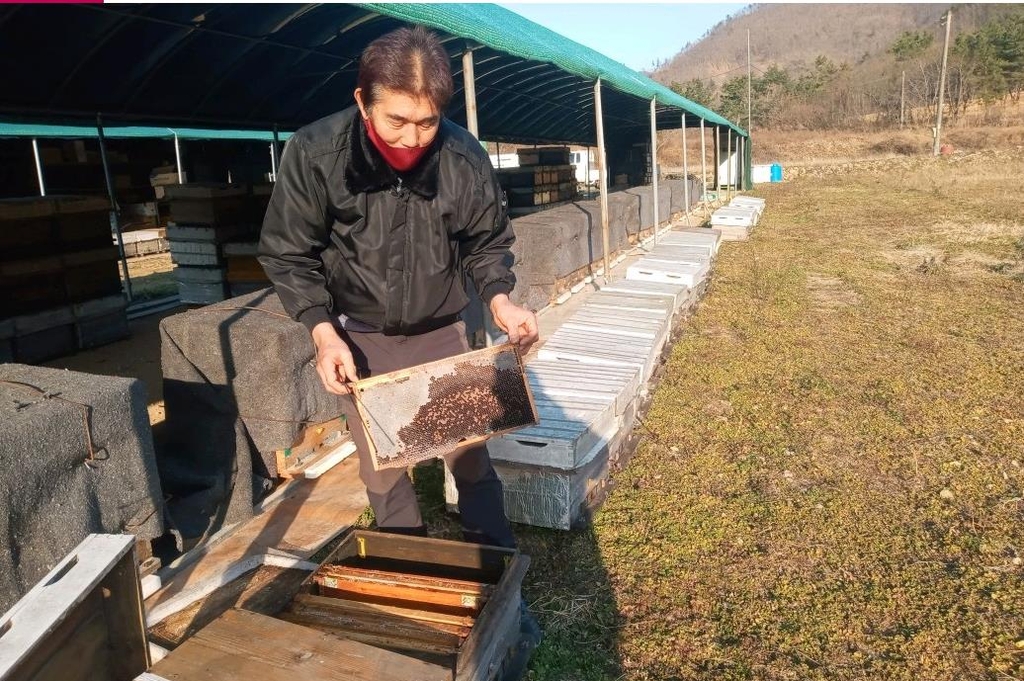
pixel 408 60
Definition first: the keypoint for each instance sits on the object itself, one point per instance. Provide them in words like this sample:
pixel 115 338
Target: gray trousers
pixel 391 494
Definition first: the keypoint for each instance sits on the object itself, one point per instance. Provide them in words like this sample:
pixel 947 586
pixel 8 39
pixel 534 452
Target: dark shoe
pixel 530 633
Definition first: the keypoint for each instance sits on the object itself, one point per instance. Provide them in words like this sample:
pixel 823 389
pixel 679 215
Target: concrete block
pixel 51 494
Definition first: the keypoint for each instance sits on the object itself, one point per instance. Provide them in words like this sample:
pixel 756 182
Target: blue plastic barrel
pixel 776 175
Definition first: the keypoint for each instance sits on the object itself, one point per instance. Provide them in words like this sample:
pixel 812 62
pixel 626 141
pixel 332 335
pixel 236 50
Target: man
pixel 377 213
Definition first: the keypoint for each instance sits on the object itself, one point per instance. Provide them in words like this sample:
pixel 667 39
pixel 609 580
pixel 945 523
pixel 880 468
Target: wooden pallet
pixel 246 646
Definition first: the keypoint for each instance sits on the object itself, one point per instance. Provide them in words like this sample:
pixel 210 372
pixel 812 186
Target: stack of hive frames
pixel 430 410
pixel 203 218
pixel 59 281
pixel 449 603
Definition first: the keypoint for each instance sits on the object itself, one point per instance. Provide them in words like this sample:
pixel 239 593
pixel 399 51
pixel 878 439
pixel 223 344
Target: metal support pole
pixel 115 220
pixel 728 163
pixel 273 165
pixel 740 164
pixel 39 167
pixel 718 165
pixel 588 170
pixel 177 159
pixel 469 87
pixel 942 86
pixel 703 165
pixel 686 177
pixel 602 178
pixel 275 153
pixel 654 165
pixel 497 148
pixel 491 330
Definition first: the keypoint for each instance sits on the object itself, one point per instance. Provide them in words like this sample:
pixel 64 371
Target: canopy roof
pixel 257 66
pixel 134 131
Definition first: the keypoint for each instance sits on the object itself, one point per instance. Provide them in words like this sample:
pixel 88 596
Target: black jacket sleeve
pixel 295 233
pixel 486 238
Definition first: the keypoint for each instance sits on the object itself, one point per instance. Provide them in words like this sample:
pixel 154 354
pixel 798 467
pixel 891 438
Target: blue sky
pixel 634 34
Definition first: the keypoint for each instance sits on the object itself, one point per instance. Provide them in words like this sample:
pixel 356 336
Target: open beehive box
pixel 451 604
pixel 429 410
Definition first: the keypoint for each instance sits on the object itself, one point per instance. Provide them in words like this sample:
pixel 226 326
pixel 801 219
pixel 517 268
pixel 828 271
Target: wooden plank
pixel 300 522
pixel 342 581
pixel 488 559
pixel 481 648
pixel 266 590
pixel 245 646
pixel 34 625
pixel 122 610
pixel 76 651
pixel 376 609
pixel 339 616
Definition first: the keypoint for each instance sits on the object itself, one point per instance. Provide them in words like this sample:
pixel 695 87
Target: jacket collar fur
pixel 367 171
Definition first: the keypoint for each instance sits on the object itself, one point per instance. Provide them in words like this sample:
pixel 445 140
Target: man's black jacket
pixel 344 233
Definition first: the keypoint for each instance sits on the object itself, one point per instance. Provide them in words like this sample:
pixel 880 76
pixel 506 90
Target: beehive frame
pixel 411 400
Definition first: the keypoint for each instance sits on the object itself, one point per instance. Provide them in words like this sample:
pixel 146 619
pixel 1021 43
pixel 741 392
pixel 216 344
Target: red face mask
pixel 399 158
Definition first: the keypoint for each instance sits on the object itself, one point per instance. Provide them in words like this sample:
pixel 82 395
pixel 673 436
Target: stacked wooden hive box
pixel 544 177
pixel 587 380
pixel 60 289
pixel 736 220
pixel 213 233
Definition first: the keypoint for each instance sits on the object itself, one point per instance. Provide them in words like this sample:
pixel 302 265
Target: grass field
pixel 832 485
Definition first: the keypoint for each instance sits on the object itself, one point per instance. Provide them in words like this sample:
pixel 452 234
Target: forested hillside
pixel 816 66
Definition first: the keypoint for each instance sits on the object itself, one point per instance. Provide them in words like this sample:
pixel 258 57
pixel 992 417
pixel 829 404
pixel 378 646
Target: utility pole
pixel 903 98
pixel 942 85
pixel 750 122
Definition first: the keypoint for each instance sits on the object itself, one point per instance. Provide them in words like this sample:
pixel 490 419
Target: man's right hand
pixel 334 360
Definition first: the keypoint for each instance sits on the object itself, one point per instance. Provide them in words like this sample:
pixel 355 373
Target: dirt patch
pixel 831 293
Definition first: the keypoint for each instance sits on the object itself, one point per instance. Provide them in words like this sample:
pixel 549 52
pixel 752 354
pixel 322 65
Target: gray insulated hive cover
pixel 429 410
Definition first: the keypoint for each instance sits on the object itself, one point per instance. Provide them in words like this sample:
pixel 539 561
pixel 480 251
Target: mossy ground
pixel 834 487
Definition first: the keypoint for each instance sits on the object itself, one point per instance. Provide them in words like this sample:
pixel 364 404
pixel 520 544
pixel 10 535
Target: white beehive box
pixel 681 274
pixel 734 217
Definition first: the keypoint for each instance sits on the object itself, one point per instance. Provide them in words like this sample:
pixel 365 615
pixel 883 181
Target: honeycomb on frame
pixel 430 410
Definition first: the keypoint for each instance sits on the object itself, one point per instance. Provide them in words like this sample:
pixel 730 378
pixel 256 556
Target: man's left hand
pixel 519 323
